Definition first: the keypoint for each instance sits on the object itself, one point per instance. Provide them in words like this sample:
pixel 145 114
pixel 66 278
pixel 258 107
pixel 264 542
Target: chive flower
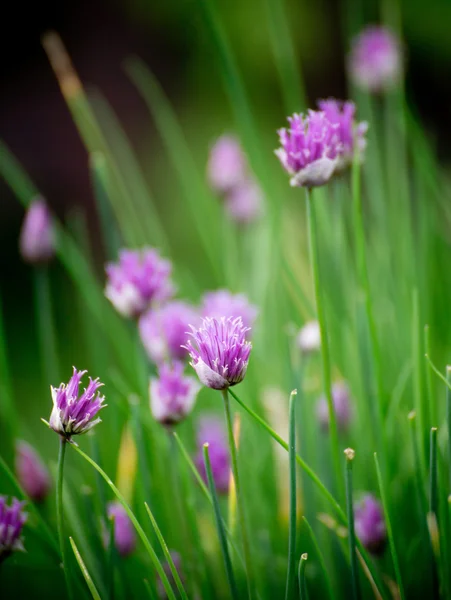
pixel 163 330
pixel 370 524
pixel 219 351
pixel 309 337
pixel 172 395
pixel 12 519
pixel 74 413
pixel 137 281
pixel 227 165
pixel 375 60
pixel 211 431
pixel 124 532
pixel 222 303
pixel 341 399
pixel 36 242
pixel 31 472
pixel 309 149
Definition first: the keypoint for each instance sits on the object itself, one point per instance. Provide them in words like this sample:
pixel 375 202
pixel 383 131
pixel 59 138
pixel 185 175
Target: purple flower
pixel 227 165
pixel 369 524
pixel 124 532
pixel 375 61
pixel 351 134
pixel 220 354
pixel 138 280
pixel 31 472
pixel 309 337
pixel 310 149
pixel 177 560
pixel 342 405
pixel 222 303
pixel 163 330
pixel 172 395
pixel 211 431
pixel 12 519
pixel 244 203
pixel 73 413
pixel 36 238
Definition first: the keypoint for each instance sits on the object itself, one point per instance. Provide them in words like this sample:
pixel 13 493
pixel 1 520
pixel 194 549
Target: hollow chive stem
pixel 239 493
pixel 291 572
pixel 301 577
pixel 220 525
pixel 448 417
pixel 325 353
pixel 60 515
pixel 350 454
pixel 433 511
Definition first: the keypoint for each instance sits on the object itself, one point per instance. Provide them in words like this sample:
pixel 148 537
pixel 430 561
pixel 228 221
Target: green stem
pixel 325 353
pixel 322 564
pixel 239 495
pixel 350 454
pixel 430 399
pixel 111 560
pixel 46 324
pixel 59 513
pixel 220 526
pixel 421 500
pixel 303 595
pixel 448 418
pixel 433 511
pixel 291 573
pixel 8 411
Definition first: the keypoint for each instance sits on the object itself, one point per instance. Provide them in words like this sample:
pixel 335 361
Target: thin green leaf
pixel 92 588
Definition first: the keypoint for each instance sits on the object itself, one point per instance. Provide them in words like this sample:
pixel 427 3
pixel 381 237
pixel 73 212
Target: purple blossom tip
pixel 74 413
pixel 36 241
pixel 124 532
pixel 227 165
pixel 12 520
pixel 140 279
pixel 211 431
pixel 220 354
pixel 222 303
pixel 370 524
pixel 172 395
pixel 244 203
pixel 31 472
pixel 341 399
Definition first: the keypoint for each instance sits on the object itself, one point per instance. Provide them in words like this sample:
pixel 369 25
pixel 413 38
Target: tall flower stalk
pixel 60 515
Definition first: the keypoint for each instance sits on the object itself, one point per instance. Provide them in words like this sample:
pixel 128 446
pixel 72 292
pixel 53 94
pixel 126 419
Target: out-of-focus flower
pixel 220 353
pixel 227 165
pixel 370 524
pixel 124 532
pixel 74 413
pixel 244 203
pixel 177 560
pixel 140 279
pixel 163 330
pixel 310 149
pixel 375 61
pixel 351 134
pixel 172 395
pixel 309 337
pixel 31 472
pixel 222 303
pixel 210 430
pixel 12 519
pixel 342 404
pixel 36 241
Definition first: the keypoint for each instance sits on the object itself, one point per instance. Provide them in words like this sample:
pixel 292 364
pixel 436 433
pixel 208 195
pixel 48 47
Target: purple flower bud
pixel 12 519
pixel 36 238
pixel 375 61
pixel 73 413
pixel 177 560
pixel 138 280
pixel 172 395
pixel 211 431
pixel 31 472
pixel 369 524
pixel 124 532
pixel 244 203
pixel 163 330
pixel 222 303
pixel 309 337
pixel 310 149
pixel 351 134
pixel 221 353
pixel 342 404
pixel 227 165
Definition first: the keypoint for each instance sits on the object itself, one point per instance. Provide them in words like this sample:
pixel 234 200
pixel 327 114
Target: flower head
pixel 172 395
pixel 309 337
pixel 163 330
pixel 36 238
pixel 351 134
pixel 375 61
pixel 310 149
pixel 31 472
pixel 222 303
pixel 244 203
pixel 210 430
pixel 369 524
pixel 74 413
pixel 342 404
pixel 220 353
pixel 138 280
pixel 227 165
pixel 124 532
pixel 12 519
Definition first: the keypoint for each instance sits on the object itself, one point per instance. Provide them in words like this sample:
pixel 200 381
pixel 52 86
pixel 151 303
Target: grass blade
pixel 87 577
pixel 291 571
pixel 321 561
pixel 350 454
pixel 303 595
